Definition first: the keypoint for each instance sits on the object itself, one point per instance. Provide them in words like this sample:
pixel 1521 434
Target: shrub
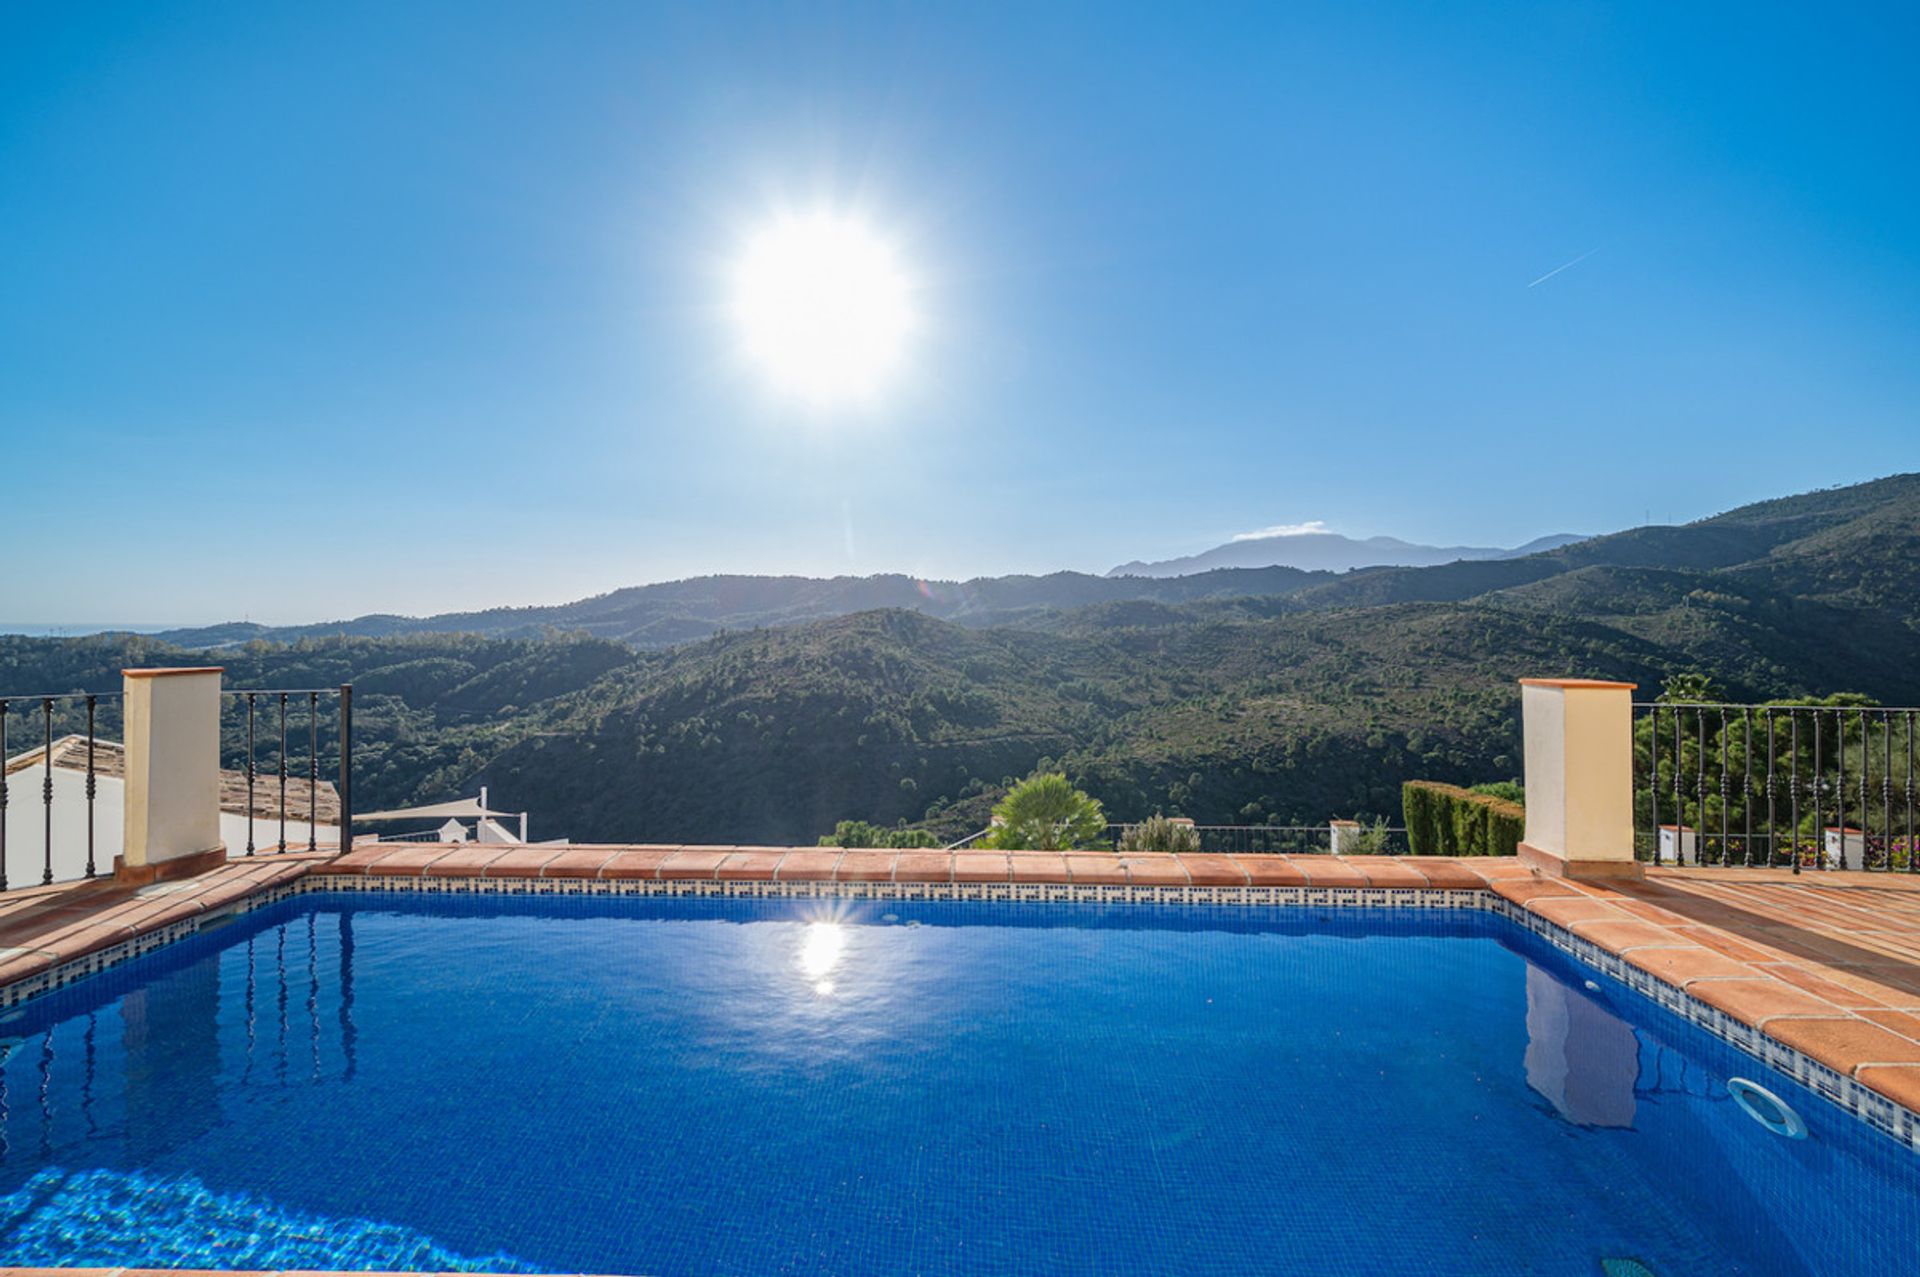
pixel 1157 833
pixel 1046 813
pixel 859 833
pixel 1446 820
pixel 1372 840
pixel 1510 790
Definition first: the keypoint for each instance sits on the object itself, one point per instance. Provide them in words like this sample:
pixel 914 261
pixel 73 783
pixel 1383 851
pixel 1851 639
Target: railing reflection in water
pixel 285 975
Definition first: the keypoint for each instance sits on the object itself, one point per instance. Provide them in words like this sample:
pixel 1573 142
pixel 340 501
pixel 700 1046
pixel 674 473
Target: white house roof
pixel 469 808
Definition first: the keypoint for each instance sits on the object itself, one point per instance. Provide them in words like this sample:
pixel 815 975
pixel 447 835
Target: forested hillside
pixel 1277 696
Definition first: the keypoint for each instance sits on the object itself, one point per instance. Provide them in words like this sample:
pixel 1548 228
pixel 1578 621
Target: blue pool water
pixel 832 1087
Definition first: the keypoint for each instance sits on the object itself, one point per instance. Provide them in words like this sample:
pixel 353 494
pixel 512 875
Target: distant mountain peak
pixel 1310 547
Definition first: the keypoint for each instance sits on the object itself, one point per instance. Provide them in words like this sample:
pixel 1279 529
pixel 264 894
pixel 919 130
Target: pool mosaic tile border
pixel 999 892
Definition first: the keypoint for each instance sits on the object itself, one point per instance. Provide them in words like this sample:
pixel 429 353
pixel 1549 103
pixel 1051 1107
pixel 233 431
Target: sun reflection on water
pixel 820 952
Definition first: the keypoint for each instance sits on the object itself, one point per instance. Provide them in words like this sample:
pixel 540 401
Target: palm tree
pixel 1046 813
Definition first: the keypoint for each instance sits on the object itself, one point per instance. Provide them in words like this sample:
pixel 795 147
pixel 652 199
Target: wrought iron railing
pixel 242 731
pixel 57 723
pixel 1292 840
pixel 1806 787
pixel 67 742
pixel 1296 840
pixel 418 835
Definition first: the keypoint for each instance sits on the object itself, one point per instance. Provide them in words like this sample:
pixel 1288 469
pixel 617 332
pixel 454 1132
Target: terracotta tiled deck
pixel 1828 964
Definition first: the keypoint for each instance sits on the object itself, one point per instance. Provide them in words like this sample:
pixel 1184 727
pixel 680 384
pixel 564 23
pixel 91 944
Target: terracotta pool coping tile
pixel 1271 871
pixel 1682 965
pixel 629 865
pixel 465 861
pixel 981 866
pixel 1754 1002
pixel 1622 937
pixel 1386 871
pixel 578 862
pixel 1154 869
pixel 1492 867
pixel 224 892
pixel 165 912
pixel 1521 890
pixel 1447 875
pixel 1213 871
pixel 521 862
pixel 1567 910
pixel 808 866
pixel 1905 1023
pixel 19 963
pixel 1095 868
pixel 78 941
pixel 749 866
pixel 1898 1082
pixel 689 864
pixel 923 866
pixel 1037 866
pixel 1328 871
pixel 407 861
pixel 1843 1042
pixel 1817 983
pixel 865 866
pixel 357 860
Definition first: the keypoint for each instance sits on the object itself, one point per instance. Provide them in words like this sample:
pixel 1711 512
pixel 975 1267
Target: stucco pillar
pixel 172 786
pixel 1579 752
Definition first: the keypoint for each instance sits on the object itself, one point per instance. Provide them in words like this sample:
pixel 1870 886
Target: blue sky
pixel 308 311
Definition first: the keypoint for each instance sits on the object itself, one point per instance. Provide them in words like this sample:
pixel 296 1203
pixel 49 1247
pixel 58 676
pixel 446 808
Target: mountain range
pixel 1232 696
pixel 673 612
pixel 1314 549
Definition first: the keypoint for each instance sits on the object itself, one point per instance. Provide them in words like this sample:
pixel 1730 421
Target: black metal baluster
pixel 346 767
pixel 1679 795
pixel 1700 786
pixel 1773 823
pixel 1653 775
pixel 1793 780
pixel 1819 826
pixel 46 788
pixel 1725 832
pixel 3 795
pixel 283 773
pixel 90 786
pixel 1840 780
pixel 250 773
pixel 313 769
pixel 1746 784
pixel 1886 786
pixel 1866 812
pixel 1913 853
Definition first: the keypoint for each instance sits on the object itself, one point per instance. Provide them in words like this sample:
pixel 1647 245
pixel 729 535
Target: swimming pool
pixel 681 1086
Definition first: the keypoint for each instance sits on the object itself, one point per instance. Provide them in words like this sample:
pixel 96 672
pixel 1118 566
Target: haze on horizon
pixel 315 313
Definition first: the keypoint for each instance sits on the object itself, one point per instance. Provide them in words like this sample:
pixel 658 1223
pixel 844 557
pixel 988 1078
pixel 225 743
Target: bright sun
pixel 823 307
